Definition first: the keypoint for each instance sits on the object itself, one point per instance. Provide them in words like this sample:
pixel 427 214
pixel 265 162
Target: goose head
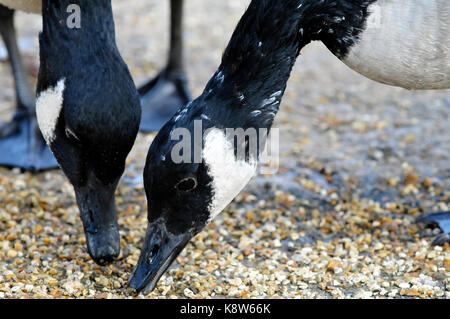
pixel 90 134
pixel 192 173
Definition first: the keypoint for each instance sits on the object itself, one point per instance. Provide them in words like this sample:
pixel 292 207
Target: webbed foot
pixel 161 97
pixel 22 145
pixel 442 220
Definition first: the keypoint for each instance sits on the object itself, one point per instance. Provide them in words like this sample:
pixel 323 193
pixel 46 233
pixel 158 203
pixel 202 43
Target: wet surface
pixel 360 161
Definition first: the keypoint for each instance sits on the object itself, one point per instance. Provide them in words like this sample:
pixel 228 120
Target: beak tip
pixel 104 251
pixel 135 288
pixel 159 251
pixel 131 291
pixel 138 284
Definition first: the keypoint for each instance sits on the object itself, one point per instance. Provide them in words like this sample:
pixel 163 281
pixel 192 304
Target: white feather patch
pixel 48 107
pixel 229 176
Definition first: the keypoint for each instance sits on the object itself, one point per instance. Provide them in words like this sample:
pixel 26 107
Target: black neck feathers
pixel 250 82
pixel 67 48
pixel 99 93
pixel 337 23
pixel 256 65
pixel 80 20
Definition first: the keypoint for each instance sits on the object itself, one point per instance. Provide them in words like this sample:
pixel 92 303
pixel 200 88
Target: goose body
pixel 405 43
pixel 32 6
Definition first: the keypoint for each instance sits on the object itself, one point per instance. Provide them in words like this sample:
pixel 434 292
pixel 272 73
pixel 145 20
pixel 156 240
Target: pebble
pixel 12 253
pixel 102 281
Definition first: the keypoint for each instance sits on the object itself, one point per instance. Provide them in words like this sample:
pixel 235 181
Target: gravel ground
pixel 359 162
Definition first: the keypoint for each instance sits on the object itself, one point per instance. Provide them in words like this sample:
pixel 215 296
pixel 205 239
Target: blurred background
pixel 359 162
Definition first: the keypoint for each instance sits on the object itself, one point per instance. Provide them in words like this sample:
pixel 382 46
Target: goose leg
pixel 21 143
pixel 441 219
pixel 163 95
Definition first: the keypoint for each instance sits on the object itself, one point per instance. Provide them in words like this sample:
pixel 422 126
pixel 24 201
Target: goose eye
pixel 71 135
pixel 187 184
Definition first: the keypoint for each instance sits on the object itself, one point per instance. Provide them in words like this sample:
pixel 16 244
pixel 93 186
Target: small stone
pixel 188 293
pixel 102 281
pixel 52 282
pixel 378 246
pixel 12 253
pixel 428 182
pixel 29 288
pixel 334 264
pixel 404 285
pixel 210 268
pixel 236 282
pixel 247 250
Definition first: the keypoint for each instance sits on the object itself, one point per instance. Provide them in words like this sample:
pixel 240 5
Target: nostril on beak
pixel 153 253
pixel 155 250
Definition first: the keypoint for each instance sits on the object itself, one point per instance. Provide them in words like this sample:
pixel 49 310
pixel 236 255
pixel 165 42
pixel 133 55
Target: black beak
pixel 159 251
pixel 98 214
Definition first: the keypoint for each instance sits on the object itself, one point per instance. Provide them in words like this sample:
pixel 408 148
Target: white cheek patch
pixel 48 107
pixel 229 176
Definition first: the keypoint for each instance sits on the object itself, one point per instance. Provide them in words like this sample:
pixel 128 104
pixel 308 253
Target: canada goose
pixel 87 108
pixel 246 91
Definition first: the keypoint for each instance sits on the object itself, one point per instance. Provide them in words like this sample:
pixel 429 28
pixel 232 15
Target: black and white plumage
pixel 160 96
pixel 88 111
pixel 404 43
pixel 245 92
